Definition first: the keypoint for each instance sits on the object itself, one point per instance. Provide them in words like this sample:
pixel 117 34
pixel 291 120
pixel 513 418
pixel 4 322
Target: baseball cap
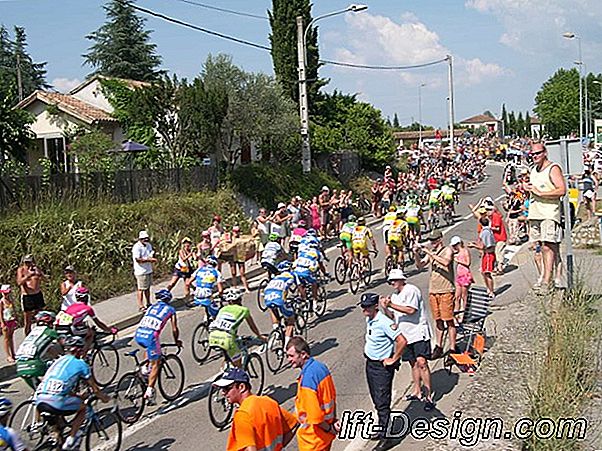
pixel 231 376
pixel 369 300
pixel 488 200
pixel 281 205
pixel 69 268
pixel 236 228
pixel 396 274
pixel 205 233
pixel 5 288
pixel 435 235
pixel 186 240
pixel 325 188
pixel 489 207
pixel 27 258
pixel 455 240
pixel 143 234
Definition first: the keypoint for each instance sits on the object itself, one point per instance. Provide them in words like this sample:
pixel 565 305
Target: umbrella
pixel 131 146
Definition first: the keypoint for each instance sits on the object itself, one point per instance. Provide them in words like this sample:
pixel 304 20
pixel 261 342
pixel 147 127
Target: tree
pixel 557 103
pixel 15 135
pixel 283 38
pixel 527 124
pixel 504 118
pixel 121 46
pixel 395 121
pixel 520 124
pixel 511 124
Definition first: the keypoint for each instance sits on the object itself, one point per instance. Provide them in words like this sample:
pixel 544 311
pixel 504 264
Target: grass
pixel 570 369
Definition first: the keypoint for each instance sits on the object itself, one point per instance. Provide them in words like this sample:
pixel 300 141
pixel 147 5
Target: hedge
pixel 98 239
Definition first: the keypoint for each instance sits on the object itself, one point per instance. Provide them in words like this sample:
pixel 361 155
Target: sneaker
pixel 151 396
pixel 428 405
pixel 72 442
pixel 437 353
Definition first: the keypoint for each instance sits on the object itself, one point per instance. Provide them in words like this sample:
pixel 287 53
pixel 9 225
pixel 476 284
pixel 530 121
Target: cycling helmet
pixel 164 295
pixel 284 266
pixel 392 208
pixel 74 342
pixel 273 237
pixel 401 214
pixel 6 407
pixel 361 220
pixel 232 295
pixel 45 317
pixel 352 218
pixel 211 260
pixel 312 232
pixel 82 294
pixel 302 223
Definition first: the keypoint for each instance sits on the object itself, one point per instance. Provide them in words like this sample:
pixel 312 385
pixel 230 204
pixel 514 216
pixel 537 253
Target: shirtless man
pixel 29 278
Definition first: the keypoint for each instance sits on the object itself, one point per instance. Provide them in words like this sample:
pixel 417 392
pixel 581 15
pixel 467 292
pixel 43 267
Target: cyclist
pixel 361 235
pixel 223 331
pixel 297 235
pixel 73 319
pixel 397 237
pixel 345 237
pixel 387 223
pixel 56 393
pixel 449 196
pixel 434 204
pixel 413 215
pixel 37 349
pixel 148 335
pixel 272 253
pixel 275 298
pixel 307 265
pixel 9 439
pixel 206 279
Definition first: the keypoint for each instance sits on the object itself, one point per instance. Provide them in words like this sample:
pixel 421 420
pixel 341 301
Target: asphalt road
pixel 337 339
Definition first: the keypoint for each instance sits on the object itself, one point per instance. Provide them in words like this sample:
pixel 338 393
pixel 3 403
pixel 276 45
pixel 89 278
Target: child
pixel 8 322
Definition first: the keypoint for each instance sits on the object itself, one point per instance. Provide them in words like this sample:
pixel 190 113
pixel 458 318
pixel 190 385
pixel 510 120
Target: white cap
pixel 488 199
pixel 325 188
pixel 5 288
pixel 281 205
pixel 396 274
pixel 455 240
pixel 143 234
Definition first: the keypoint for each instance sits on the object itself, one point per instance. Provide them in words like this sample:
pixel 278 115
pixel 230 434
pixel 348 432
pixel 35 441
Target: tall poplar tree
pixel 121 46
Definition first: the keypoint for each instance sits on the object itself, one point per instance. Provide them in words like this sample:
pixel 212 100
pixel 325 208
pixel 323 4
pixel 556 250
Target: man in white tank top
pixel 547 186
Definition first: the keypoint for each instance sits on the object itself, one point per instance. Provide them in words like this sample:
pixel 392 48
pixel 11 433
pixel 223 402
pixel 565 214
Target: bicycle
pixel 220 410
pixel 275 352
pixel 103 359
pixel 132 385
pixel 200 336
pixel 316 306
pixel 361 270
pixel 392 261
pixel 49 431
pixel 341 266
pixel 272 271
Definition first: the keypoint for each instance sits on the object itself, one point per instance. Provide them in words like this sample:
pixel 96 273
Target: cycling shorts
pixel 413 225
pixel 395 241
pixel 360 248
pixel 279 304
pixel 152 345
pixel 210 306
pixel 31 368
pixel 433 203
pixel 65 405
pixel 225 341
pixel 449 199
pixel 346 240
pixel 306 277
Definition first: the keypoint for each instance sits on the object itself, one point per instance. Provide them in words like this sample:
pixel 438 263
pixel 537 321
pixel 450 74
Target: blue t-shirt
pixel 205 280
pixel 307 262
pixel 278 287
pixel 380 337
pixel 154 320
pixel 62 377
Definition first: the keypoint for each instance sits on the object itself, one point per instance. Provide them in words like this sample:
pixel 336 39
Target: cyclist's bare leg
pixel 78 420
pixel 154 373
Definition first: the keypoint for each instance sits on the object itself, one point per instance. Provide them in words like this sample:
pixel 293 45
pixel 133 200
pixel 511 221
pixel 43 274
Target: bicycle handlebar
pixel 172 345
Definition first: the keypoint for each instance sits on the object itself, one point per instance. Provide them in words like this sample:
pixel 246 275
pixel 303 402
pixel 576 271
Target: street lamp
pixel 420 86
pixel 302 57
pixel 569 35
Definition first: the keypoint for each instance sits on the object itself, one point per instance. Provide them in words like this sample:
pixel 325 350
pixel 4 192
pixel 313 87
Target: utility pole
pixel 303 101
pixel 451 103
pixel 19 81
pixel 586 101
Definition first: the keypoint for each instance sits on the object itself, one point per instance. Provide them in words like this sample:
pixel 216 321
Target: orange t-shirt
pixel 260 422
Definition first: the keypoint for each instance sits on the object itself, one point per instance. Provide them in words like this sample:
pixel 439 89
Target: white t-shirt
pixel 413 327
pixel 141 250
pixel 69 298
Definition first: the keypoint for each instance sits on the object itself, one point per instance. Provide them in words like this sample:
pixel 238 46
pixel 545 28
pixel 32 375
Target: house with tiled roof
pixel 482 120
pixel 55 114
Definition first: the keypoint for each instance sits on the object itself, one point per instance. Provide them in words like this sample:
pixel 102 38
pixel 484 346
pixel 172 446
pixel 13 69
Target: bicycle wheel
pixel 130 397
pixel 200 343
pixel 320 303
pixel 388 265
pixel 105 431
pixel 254 368
pixel 340 269
pixel 105 365
pixel 354 277
pixel 260 300
pixel 274 355
pixel 220 410
pixel 171 377
pixel 367 272
pixel 23 421
pixel 300 316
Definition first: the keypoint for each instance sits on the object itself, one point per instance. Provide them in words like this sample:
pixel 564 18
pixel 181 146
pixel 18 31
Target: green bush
pixel 97 239
pixel 269 184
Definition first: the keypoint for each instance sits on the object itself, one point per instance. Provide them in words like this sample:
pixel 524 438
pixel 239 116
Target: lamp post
pixel 420 86
pixel 303 100
pixel 569 35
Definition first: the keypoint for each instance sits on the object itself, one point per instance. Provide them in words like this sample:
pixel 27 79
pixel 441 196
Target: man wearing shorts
pixel 441 289
pixel 29 278
pixel 143 257
pixel 486 245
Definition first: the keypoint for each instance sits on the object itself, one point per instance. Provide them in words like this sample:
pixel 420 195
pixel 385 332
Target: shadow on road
pixel 280 393
pixel 321 347
pixel 335 314
pixel 502 289
pixel 164 443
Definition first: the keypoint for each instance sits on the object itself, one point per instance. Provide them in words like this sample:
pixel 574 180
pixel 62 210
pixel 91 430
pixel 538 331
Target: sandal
pixel 411 398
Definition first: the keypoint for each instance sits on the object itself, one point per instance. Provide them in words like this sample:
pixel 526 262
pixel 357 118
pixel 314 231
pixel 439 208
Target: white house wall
pixel 93 95
pixel 46 125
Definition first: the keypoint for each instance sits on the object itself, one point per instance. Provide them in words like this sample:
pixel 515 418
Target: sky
pixel 503 50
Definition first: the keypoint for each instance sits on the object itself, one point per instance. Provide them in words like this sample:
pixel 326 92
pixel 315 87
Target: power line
pixel 367 66
pixel 224 10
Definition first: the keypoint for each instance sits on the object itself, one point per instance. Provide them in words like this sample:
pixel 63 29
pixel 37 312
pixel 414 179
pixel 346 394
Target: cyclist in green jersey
pixel 223 331
pixel 345 236
pixel 38 348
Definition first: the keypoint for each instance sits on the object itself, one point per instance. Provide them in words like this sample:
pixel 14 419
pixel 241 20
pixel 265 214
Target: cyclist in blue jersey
pixel 206 280
pixel 306 266
pixel 148 335
pixel 272 254
pixel 275 295
pixel 56 393
pixel 9 439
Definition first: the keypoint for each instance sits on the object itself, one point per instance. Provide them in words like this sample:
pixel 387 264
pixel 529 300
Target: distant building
pixel 536 128
pixel 407 139
pixel 492 124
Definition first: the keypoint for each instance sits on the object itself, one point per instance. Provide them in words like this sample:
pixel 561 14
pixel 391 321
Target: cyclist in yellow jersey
pixel 360 237
pixel 388 221
pixel 449 193
pixel 397 237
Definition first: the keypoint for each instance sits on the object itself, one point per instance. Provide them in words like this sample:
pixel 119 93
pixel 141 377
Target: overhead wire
pixel 224 10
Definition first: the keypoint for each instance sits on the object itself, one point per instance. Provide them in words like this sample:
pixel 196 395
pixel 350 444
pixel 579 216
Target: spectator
pixel 315 403
pixel 496 222
pixel 238 259
pixel 324 203
pixel 215 232
pixel 204 248
pixel 280 220
pixel 407 308
pixel 316 223
pixel 376 193
pixel 294 209
pixel 464 277
pixel 68 287
pixel 383 348
pixel 547 186
pixel 590 191
pixel 263 225
pixel 486 245
pixel 183 268
pixel 29 278
pixel 259 422
pixel 441 289
pixel 8 322
pixel 143 257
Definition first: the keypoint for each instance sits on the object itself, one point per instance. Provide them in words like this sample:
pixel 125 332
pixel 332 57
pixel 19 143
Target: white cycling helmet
pixel 233 295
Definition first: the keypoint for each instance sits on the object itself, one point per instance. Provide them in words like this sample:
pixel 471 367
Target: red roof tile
pixel 70 105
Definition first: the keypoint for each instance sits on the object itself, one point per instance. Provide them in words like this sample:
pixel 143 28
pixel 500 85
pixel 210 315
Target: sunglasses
pixel 534 154
pixel 228 388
